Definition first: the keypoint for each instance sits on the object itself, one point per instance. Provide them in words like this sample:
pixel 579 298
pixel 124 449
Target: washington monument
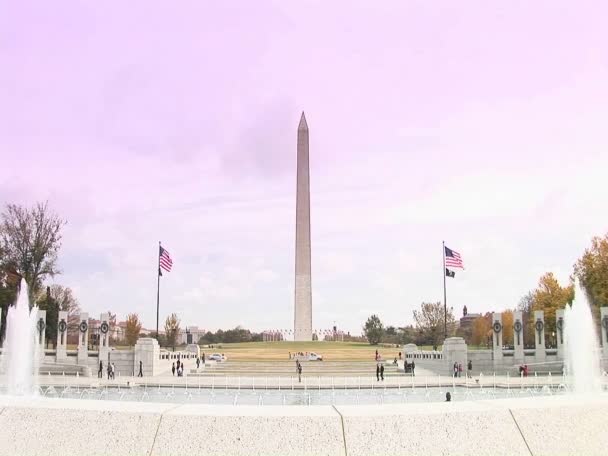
pixel 302 324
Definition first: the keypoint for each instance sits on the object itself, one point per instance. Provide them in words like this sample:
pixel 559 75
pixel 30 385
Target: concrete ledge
pixel 540 426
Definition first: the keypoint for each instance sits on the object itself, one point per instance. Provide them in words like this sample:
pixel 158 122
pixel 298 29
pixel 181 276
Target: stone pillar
pixel 559 326
pixel 83 339
pixel 147 351
pixel 41 332
pixel 604 320
pixel 497 336
pixel 455 351
pixel 104 338
pixel 518 337
pixel 539 335
pixel 62 336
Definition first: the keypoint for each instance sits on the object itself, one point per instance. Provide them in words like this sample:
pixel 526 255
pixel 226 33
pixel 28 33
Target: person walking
pixel 173 369
pixel 377 372
pixel 459 370
pixel 299 372
pixel 198 362
pixel 470 369
pixel 113 371
pixel 203 357
pixel 109 371
pixel 382 372
pixel 455 370
pixel 100 371
pixel 141 369
pixel 376 355
pixel 413 368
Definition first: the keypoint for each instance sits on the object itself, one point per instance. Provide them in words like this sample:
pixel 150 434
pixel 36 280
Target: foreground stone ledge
pixel 539 426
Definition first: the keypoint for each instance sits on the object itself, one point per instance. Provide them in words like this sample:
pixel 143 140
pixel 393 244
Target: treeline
pixel 237 334
pixel 591 270
pixel 429 328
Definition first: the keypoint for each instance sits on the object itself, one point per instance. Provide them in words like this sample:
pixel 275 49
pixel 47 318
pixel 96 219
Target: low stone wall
pixel 541 426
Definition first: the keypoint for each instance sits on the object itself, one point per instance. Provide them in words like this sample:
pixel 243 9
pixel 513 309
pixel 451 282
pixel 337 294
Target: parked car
pixel 217 357
pixel 308 356
pixel 314 357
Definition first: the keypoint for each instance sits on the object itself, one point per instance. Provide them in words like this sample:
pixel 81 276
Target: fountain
pixel 582 362
pixel 20 357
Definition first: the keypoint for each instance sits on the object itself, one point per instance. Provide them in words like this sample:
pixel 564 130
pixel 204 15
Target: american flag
pixel 164 261
pixel 453 259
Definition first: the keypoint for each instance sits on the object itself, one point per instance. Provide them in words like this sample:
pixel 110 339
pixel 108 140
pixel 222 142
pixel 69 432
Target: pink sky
pixel 481 123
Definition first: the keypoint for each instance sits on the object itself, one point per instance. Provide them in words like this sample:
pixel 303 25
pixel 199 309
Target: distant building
pixel 190 335
pixel 466 322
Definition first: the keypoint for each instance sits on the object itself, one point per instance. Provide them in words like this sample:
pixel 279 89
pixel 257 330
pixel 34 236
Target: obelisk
pixel 303 285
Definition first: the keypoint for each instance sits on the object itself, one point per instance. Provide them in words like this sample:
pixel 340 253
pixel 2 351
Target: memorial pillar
pixel 518 337
pixel 62 336
pixel 104 338
pixel 497 336
pixel 83 339
pixel 539 335
pixel 559 326
pixel 147 351
pixel 604 320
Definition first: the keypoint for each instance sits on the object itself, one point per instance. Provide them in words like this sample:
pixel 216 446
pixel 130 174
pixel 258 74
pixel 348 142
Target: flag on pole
pixel 164 261
pixel 449 273
pixel 453 259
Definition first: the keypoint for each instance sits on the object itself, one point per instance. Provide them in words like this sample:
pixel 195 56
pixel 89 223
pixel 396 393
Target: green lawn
pixel 331 351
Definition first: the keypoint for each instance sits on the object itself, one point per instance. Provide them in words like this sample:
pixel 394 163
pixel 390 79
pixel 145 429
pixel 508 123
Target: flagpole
pixel 445 299
pixel 157 289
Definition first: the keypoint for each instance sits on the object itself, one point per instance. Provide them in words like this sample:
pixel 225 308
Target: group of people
pixel 457 369
pixel 409 368
pixel 199 360
pixel 298 354
pixel 379 371
pixel 111 370
pixel 179 368
pixel 523 370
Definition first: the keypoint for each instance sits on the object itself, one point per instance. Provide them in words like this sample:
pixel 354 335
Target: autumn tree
pixel 548 297
pixel 30 239
pixel 373 330
pixel 482 330
pixel 430 322
pixel 132 329
pixel 592 271
pixel 172 330
pixel 507 327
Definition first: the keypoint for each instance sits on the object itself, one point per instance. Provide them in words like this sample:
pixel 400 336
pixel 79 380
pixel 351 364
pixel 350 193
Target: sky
pixel 477 123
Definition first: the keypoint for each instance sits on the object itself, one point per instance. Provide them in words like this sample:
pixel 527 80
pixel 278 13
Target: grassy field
pixel 331 351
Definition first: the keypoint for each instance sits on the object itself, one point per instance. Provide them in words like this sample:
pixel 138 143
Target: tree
pixel 592 271
pixel 548 297
pixel 133 328
pixel 172 330
pixel 30 239
pixel 8 293
pixel 373 330
pixel 482 329
pixel 507 327
pixel 430 322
